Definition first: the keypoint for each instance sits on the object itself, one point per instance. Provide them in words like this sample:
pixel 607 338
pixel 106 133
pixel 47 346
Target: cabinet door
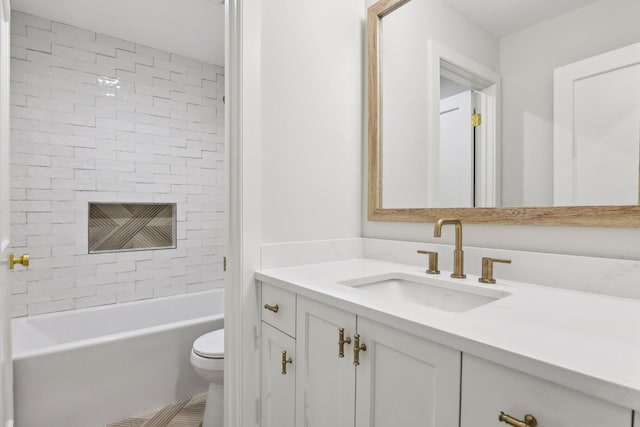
pixel 325 383
pixel 277 395
pixel 404 380
pixel 488 389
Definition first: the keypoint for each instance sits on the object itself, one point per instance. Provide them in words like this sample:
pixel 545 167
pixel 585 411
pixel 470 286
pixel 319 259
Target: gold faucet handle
pixel 487 269
pixel 433 261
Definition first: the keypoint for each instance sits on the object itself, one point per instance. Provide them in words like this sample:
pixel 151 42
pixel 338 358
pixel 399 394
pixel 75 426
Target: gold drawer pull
pixel 341 342
pixel 529 420
pixel 357 348
pixel 273 308
pixel 284 362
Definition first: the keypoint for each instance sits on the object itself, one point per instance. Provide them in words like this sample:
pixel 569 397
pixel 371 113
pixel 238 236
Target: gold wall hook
pixel 357 348
pixel 529 420
pixel 285 360
pixel 341 342
pixel 23 260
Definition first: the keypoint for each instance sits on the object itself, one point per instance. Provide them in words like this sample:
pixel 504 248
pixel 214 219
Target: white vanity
pixel 365 347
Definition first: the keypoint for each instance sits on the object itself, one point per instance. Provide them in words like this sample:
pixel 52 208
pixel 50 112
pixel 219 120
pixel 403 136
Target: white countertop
pixel 587 342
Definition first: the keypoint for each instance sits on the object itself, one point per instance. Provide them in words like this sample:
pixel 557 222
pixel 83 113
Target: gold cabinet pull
pixel 274 308
pixel 341 342
pixel 357 348
pixel 529 420
pixel 22 260
pixel 433 261
pixel 285 360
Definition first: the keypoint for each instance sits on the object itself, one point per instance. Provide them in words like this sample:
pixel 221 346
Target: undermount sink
pixel 445 295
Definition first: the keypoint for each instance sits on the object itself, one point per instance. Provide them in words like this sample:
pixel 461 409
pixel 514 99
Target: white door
pixel 325 382
pixel 6 363
pixel 597 130
pixel 278 385
pixel 404 380
pixel 457 159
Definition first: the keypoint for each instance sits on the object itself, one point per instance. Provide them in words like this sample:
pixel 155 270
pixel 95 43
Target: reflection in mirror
pixel 533 103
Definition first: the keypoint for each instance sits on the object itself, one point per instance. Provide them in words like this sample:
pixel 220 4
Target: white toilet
pixel 207 358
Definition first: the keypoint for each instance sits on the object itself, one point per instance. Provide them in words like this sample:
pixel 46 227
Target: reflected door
pixel 597 130
pixel 456 178
pixel 6 362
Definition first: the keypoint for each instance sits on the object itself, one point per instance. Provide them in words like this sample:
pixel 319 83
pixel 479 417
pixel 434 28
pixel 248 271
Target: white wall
pixel 312 118
pixel 527 60
pixel 106 120
pixel 567 43
pixel 405 133
pixel 295 133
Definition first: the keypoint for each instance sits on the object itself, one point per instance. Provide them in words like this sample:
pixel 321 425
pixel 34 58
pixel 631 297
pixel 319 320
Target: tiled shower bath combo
pixel 102 120
pixel 117 153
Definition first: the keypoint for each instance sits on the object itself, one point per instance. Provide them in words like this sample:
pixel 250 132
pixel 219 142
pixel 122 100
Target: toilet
pixel 207 358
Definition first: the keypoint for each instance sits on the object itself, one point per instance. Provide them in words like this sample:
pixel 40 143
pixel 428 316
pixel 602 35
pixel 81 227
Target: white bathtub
pixel 88 367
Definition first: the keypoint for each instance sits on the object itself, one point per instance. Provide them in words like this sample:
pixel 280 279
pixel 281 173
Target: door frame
pixel 243 190
pixel 5 90
pixel 488 165
pixel 462 69
pixel 6 359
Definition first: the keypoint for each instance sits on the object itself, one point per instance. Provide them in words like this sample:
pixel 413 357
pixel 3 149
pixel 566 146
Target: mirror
pixel 530 107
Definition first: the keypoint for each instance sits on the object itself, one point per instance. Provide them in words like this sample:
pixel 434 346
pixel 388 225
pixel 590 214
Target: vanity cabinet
pixel 278 357
pixel 278 378
pixel 488 389
pixel 325 382
pixel 404 380
pixel 400 379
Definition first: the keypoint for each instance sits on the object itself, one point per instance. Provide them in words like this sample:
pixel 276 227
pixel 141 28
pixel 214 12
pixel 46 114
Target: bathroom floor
pixel 186 413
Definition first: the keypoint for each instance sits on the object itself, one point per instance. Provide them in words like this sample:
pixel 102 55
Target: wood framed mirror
pixel 552 135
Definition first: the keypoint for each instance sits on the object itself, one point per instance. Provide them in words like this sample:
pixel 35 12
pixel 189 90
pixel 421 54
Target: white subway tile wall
pixel 97 119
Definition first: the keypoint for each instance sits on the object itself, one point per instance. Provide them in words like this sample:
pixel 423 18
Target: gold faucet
pixel 458 254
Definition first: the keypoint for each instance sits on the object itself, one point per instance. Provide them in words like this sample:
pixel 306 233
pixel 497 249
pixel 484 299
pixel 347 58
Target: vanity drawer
pixel 279 309
pixel 488 389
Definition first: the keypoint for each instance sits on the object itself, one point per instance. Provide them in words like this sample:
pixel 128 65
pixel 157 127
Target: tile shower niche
pixel 117 227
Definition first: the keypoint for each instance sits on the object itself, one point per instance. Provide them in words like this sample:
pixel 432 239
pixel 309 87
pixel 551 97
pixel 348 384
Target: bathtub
pixel 89 367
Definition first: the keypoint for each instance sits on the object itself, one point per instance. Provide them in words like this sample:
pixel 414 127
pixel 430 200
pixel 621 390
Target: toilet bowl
pixel 207 358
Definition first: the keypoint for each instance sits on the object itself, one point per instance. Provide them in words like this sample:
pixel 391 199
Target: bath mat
pixel 185 413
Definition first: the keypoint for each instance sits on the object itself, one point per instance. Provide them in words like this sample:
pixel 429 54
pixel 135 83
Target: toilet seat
pixel 210 345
